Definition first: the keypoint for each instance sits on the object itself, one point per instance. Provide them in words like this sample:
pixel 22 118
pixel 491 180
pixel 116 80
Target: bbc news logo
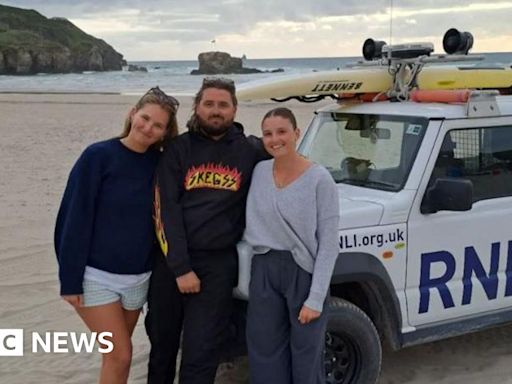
pixel 11 342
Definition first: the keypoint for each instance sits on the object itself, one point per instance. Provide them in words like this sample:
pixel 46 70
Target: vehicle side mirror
pixel 448 194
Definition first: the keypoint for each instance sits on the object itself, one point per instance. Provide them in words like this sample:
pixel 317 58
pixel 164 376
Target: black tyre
pixel 352 346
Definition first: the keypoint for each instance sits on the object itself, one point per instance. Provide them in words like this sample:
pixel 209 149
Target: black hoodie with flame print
pixel 200 193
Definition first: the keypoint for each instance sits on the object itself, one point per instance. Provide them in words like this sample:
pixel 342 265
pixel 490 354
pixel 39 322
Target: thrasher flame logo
pixel 215 176
pixel 159 225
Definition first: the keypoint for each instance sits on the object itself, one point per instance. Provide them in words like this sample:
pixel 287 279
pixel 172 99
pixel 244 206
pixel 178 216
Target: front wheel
pixel 352 346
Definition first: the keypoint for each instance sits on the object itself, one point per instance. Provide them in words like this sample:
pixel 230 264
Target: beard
pixel 214 129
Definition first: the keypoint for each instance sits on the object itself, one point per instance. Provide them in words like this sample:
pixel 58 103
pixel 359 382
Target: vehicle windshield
pixel 374 151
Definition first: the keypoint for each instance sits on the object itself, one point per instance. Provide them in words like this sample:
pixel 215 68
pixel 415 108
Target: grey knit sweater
pixel 302 218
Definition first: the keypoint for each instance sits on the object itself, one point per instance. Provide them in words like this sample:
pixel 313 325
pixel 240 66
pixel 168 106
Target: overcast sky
pixel 180 29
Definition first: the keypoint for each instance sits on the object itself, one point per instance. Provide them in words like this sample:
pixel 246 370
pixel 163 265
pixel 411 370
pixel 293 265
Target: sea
pixel 174 76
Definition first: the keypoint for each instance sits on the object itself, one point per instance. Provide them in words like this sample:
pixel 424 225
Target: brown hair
pixel 211 82
pixel 167 103
pixel 283 112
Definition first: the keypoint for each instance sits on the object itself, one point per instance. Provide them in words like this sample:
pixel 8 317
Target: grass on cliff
pixel 26 40
pixel 22 28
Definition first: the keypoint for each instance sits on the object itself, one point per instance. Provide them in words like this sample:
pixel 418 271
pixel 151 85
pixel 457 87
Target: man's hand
pixel 75 300
pixel 307 315
pixel 189 283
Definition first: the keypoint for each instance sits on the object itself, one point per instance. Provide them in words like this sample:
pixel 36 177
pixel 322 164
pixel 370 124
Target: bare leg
pixel 131 318
pixel 112 318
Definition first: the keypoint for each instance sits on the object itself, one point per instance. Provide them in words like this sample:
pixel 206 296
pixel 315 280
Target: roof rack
pixel 405 71
pixel 482 104
pixel 479 103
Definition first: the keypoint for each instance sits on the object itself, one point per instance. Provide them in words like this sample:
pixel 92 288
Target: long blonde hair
pixel 164 102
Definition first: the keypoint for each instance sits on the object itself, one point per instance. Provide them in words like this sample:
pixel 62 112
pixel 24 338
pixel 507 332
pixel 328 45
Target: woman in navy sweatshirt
pixel 104 234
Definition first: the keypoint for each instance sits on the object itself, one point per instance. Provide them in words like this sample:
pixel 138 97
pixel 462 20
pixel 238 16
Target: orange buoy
pixel 440 96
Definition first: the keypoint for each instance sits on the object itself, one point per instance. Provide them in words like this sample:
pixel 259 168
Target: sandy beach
pixel 41 137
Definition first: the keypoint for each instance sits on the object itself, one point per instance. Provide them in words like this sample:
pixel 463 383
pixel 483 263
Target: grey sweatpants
pixel 281 350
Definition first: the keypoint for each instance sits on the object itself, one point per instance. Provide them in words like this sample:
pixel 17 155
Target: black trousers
pixel 203 317
pixel 281 350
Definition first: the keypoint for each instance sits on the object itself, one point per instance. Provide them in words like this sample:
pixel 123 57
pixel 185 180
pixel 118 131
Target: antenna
pixel 390 26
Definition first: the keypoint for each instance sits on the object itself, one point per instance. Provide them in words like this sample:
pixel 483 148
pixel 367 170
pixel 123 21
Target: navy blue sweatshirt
pixel 201 192
pixel 105 218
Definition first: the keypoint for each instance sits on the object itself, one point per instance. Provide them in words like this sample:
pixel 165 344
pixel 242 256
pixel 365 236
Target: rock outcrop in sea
pixel 217 63
pixel 136 68
pixel 31 43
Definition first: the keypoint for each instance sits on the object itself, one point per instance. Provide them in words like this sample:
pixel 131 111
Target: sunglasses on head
pixel 216 81
pixel 163 97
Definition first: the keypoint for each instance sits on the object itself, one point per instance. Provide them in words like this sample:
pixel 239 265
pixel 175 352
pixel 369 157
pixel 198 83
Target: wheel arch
pixel 362 279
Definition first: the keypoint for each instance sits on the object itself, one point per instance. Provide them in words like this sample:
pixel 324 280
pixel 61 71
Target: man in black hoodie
pixel 202 184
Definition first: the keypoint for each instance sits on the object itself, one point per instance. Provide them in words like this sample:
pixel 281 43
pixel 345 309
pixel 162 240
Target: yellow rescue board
pixel 464 77
pixel 373 80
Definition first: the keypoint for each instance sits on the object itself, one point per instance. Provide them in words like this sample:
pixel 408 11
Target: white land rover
pixel 425 238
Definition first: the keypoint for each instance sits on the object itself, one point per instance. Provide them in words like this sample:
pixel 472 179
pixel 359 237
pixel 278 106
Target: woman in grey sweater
pixel 292 225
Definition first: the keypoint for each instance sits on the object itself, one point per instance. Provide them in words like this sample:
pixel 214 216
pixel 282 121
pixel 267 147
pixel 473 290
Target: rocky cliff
pixel 31 43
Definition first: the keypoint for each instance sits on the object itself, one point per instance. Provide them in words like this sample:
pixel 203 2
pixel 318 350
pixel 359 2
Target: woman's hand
pixel 75 300
pixel 307 315
pixel 189 283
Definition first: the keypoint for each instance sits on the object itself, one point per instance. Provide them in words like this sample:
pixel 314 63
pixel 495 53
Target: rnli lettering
pixel 473 265
pixel 379 239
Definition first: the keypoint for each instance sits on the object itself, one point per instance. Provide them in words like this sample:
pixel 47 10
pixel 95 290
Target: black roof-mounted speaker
pixel 455 42
pixel 372 49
